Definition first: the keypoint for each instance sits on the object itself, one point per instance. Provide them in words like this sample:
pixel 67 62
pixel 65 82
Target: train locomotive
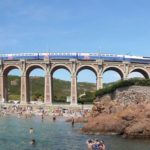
pixel 79 56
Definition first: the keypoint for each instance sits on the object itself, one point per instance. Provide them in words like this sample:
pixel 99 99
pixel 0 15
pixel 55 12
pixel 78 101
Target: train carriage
pixel 19 56
pixel 63 55
pixel 43 55
pixel 79 56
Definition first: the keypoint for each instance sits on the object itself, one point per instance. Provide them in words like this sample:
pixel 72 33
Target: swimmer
pixel 32 142
pixel 31 130
pixel 42 116
pixel 96 145
pixel 102 145
pixel 72 122
pixel 89 144
pixel 54 117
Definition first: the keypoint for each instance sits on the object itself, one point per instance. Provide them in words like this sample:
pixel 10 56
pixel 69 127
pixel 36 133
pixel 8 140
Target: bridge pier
pixel 48 89
pixel 24 90
pixel 2 96
pixel 99 82
pixel 74 90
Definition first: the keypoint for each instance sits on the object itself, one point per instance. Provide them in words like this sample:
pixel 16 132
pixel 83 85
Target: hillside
pixel 61 88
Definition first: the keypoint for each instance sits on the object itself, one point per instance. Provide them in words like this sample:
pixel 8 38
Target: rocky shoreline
pixel 125 112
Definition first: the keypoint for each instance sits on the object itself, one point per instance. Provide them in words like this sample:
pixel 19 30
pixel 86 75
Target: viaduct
pixel 74 66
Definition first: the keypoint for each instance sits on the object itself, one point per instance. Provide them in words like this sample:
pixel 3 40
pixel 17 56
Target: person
pixel 89 144
pixel 96 145
pixel 32 142
pixel 42 116
pixel 31 130
pixel 102 145
pixel 72 122
pixel 54 117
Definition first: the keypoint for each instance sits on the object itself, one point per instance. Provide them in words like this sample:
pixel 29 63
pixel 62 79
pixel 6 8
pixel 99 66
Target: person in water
pixel 32 142
pixel 89 144
pixel 54 117
pixel 96 145
pixel 31 130
pixel 72 122
pixel 102 145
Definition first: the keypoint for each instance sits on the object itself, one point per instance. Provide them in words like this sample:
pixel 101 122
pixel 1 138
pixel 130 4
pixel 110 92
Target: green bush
pixel 122 83
pixel 87 98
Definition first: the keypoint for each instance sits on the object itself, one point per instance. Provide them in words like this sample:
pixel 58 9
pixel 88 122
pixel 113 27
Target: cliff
pixel 126 112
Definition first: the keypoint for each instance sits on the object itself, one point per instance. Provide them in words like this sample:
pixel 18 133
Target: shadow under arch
pixel 142 71
pixel 6 87
pixel 29 81
pixel 116 69
pixel 60 97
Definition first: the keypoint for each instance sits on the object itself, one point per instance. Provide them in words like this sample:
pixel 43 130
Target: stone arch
pixel 89 67
pixel 9 68
pixel 32 67
pixel 56 67
pixel 62 96
pixel 143 71
pixel 28 71
pixel 6 70
pixel 85 95
pixel 116 69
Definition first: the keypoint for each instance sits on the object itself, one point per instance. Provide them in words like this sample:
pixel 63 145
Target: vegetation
pixel 61 89
pixel 87 98
pixel 122 83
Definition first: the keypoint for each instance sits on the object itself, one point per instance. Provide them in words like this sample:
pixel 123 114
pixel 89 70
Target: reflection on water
pixel 57 135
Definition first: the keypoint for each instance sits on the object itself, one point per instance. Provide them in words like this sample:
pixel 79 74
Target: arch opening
pixel 86 85
pixel 138 73
pixel 35 85
pixel 61 85
pixel 110 76
pixel 12 84
pixel 115 69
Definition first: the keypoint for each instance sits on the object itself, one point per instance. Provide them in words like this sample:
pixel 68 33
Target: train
pixel 79 56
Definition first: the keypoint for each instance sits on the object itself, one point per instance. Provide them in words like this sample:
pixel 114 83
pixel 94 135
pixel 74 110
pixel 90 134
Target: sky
pixel 117 27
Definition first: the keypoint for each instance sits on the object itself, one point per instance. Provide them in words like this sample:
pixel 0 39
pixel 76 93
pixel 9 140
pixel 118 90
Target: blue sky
pixel 108 26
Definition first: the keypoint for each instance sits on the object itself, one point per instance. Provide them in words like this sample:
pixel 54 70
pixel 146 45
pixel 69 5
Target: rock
pixel 125 112
pixel 140 129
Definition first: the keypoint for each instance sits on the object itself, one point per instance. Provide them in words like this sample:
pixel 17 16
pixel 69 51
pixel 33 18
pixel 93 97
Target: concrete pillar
pixel 48 89
pixel 74 89
pixel 99 82
pixel 2 95
pixel 24 95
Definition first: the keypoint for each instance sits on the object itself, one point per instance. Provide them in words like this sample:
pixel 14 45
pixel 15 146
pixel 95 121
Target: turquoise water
pixel 58 135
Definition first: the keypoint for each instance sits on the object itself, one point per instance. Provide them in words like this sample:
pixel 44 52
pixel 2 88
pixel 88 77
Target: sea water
pixel 56 135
